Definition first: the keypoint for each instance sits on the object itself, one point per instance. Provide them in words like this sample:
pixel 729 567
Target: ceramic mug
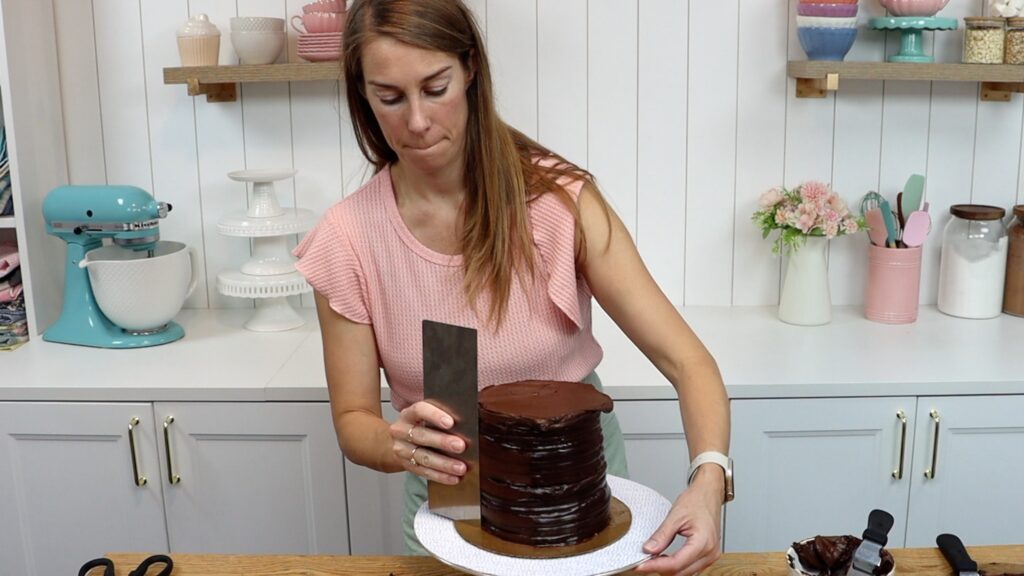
pixel 324 6
pixel 319 22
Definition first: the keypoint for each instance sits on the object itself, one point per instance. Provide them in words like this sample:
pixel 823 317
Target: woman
pixel 469 222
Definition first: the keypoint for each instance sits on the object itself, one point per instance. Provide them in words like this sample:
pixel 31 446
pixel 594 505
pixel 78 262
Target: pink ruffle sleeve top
pixel 364 260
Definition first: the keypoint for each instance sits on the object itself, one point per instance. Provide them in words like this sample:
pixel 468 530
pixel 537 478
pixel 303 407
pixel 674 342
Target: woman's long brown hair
pixel 502 170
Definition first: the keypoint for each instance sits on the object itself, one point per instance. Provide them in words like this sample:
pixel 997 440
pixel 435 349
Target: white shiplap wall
pixel 682 109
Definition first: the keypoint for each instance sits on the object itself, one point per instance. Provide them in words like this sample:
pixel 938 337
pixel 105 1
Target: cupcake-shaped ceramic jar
pixel 199 42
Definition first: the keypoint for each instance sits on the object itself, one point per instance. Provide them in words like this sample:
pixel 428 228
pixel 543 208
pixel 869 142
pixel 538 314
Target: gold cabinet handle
pixel 136 477
pixel 902 417
pixel 930 473
pixel 171 476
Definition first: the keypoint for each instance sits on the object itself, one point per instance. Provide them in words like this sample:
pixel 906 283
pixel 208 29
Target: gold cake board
pixel 621 518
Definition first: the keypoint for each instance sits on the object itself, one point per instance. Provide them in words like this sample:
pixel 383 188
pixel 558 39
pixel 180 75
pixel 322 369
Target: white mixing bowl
pixel 139 293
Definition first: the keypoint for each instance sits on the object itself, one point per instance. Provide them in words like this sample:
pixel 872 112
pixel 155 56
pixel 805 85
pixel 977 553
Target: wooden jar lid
pixel 977 212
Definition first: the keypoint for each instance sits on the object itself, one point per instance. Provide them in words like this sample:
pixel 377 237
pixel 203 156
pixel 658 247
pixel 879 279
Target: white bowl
pixel 258 47
pixel 140 293
pixel 257 24
pixel 825 22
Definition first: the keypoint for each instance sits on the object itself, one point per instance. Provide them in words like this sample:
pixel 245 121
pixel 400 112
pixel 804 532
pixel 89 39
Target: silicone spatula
pixel 918 225
pixel 892 232
pixel 876 227
pixel 913 194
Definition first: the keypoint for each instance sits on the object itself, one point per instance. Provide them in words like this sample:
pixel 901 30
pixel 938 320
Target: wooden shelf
pixel 814 79
pixel 219 83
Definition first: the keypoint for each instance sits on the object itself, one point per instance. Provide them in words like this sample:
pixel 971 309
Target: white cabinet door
pixel 806 467
pixel 260 478
pixel 976 492
pixel 68 489
pixel 375 504
pixel 655 446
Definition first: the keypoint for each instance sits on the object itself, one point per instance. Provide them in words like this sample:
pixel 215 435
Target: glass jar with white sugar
pixel 972 269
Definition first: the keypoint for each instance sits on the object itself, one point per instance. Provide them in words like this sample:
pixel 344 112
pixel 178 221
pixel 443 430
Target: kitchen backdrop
pixel 682 109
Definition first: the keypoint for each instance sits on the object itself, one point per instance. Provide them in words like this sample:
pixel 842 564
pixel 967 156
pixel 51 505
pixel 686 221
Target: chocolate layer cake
pixel 542 469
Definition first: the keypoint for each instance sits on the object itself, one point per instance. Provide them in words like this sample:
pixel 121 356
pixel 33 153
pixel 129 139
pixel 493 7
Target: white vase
pixel 805 298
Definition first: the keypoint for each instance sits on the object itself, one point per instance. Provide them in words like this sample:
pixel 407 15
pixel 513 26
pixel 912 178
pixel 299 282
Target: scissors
pixel 140 570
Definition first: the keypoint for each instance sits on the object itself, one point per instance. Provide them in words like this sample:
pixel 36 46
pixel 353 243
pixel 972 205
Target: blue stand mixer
pixel 82 216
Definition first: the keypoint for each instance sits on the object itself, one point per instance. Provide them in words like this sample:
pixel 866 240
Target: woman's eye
pixel 436 91
pixel 389 100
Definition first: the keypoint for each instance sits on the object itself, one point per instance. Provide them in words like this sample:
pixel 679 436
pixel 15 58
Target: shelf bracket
pixel 1000 91
pixel 817 87
pixel 219 92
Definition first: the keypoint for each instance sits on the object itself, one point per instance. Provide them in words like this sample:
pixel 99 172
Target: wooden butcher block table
pixel 909 562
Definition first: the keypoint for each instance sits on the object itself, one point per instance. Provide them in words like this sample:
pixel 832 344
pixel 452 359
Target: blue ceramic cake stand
pixel 910 29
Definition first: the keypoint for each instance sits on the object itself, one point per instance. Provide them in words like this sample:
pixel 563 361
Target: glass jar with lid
pixel 1013 294
pixel 972 269
pixel 1014 51
pixel 984 40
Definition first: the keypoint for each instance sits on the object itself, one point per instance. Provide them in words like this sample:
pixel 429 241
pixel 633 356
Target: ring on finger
pixel 412 457
pixel 409 434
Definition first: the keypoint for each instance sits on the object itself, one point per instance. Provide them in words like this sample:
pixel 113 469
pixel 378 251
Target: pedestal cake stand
pixel 269 276
pixel 648 508
pixel 910 29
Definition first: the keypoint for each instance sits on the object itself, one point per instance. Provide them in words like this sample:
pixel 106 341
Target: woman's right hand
pixel 419 443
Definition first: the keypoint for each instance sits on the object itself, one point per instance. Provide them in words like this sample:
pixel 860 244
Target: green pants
pixel 416 486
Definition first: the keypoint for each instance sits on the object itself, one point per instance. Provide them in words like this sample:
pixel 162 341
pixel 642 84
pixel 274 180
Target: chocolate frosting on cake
pixel 542 468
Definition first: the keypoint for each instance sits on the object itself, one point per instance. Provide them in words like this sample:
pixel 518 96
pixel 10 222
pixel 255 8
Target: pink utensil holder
pixel 894 284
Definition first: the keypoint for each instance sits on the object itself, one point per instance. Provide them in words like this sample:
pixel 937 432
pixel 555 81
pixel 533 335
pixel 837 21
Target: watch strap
pixel 711 457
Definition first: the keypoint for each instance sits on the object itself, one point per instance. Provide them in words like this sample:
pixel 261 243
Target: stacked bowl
pixel 826 28
pixel 256 39
pixel 921 8
pixel 320 26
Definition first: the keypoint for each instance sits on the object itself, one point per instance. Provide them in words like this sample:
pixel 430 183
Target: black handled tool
pixel 957 556
pixel 868 555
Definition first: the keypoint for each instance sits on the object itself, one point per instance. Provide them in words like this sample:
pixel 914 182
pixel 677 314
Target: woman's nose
pixel 418 121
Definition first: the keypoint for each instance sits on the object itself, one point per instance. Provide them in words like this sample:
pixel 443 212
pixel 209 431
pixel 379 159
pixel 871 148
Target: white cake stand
pixel 269 275
pixel 648 508
pixel 270 253
pixel 273 312
pixel 264 199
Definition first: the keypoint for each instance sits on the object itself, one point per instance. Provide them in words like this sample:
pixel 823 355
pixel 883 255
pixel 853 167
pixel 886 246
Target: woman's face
pixel 419 99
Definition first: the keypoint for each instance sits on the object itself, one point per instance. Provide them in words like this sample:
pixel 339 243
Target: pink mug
pixel 324 6
pixel 894 284
pixel 319 22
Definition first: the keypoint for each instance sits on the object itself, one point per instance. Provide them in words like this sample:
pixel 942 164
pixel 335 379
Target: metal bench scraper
pixel 450 382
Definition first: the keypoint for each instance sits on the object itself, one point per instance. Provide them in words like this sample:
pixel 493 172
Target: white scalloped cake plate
pixel 648 508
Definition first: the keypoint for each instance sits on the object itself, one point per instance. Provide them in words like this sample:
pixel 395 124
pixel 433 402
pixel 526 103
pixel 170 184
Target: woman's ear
pixel 470 67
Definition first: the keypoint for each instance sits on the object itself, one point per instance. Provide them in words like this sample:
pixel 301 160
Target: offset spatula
pixel 868 555
pixel 957 556
pixel 450 383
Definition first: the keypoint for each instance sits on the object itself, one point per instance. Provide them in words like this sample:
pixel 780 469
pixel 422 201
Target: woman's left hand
pixel 697 516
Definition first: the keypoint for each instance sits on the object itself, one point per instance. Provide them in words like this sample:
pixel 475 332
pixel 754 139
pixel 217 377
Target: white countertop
pixel 759 356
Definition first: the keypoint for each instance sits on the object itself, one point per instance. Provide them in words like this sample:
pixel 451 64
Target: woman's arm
pixel 353 381
pixel 626 291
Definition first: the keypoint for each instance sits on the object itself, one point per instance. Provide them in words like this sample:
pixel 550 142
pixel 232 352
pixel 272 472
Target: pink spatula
pixel 876 227
pixel 918 225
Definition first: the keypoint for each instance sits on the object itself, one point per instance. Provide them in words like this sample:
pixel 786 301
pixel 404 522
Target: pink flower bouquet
pixel 810 209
